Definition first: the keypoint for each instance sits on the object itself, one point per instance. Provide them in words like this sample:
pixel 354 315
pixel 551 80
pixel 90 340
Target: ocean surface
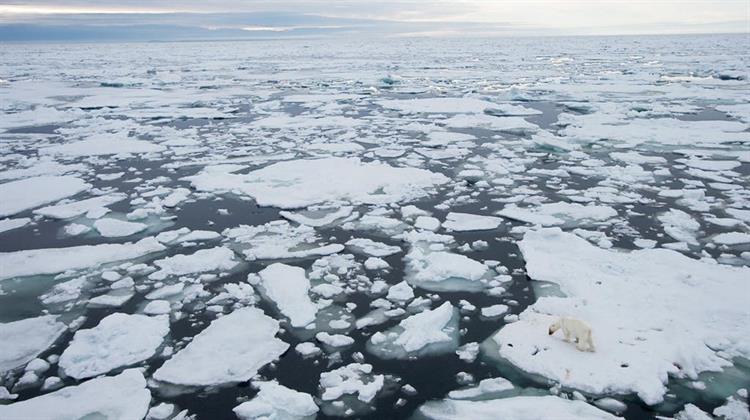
pixel 638 145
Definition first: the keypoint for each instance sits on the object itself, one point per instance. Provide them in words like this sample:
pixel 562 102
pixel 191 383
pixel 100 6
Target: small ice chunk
pixel 334 340
pixel 375 263
pixel 275 401
pixel 288 287
pixel 372 248
pixel 400 292
pixel 354 379
pixel 485 386
pixel 427 223
pixel 307 349
pixel 461 222
pixel 157 307
pixel 431 331
pixel 494 310
pixel 114 228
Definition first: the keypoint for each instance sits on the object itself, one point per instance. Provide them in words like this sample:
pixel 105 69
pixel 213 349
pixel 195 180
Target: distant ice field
pixel 369 228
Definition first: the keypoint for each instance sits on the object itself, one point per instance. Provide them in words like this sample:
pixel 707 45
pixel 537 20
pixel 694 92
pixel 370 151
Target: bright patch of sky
pixel 426 17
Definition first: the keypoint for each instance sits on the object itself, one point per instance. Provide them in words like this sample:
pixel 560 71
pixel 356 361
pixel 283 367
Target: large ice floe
pixel 19 347
pixel 118 340
pixel 30 193
pixel 521 407
pixel 654 313
pixel 292 184
pixel 231 349
pixel 121 397
pixel 56 260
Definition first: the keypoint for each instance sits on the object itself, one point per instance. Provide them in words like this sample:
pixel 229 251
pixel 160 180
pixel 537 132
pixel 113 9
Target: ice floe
pixel 651 312
pixel 428 332
pixel 521 407
pixel 24 339
pixel 231 349
pixel 121 397
pixel 56 260
pixel 287 185
pixel 118 340
pixel 30 193
pixel 275 401
pixel 288 287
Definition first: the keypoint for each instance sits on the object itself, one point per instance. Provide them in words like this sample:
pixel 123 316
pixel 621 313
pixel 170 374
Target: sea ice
pixel 353 379
pixel 430 331
pixel 461 222
pixel 56 260
pixel 522 408
pixel 118 340
pixel 277 402
pixel 114 228
pixel 30 193
pixel 121 397
pixel 651 312
pixel 231 349
pixel 204 260
pixel 559 213
pixel 77 208
pixel 23 340
pixel 286 185
pixel 288 287
pixel 102 145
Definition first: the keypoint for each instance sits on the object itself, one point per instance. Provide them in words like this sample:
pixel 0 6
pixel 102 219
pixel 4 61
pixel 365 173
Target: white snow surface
pixel 23 340
pixel 291 184
pixel 30 193
pixel 276 402
pixel 56 260
pixel 461 222
pixel 353 379
pixel 521 408
pixel 231 349
pixel 121 397
pixel 115 228
pixel 436 328
pixel 652 312
pixel 550 214
pixel 204 260
pixel 288 287
pixel 118 340
pixel 77 208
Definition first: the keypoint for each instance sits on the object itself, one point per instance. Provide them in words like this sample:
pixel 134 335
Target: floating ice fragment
pixel 118 340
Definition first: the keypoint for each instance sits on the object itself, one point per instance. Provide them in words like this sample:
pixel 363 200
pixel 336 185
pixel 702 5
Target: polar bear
pixel 575 331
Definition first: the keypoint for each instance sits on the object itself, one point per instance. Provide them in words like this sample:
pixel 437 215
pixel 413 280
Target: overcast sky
pixel 528 16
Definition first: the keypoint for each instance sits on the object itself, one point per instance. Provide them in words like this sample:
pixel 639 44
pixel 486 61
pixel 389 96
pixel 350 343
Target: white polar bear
pixel 575 331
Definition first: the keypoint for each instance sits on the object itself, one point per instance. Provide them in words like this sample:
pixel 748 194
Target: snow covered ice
pixel 384 228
